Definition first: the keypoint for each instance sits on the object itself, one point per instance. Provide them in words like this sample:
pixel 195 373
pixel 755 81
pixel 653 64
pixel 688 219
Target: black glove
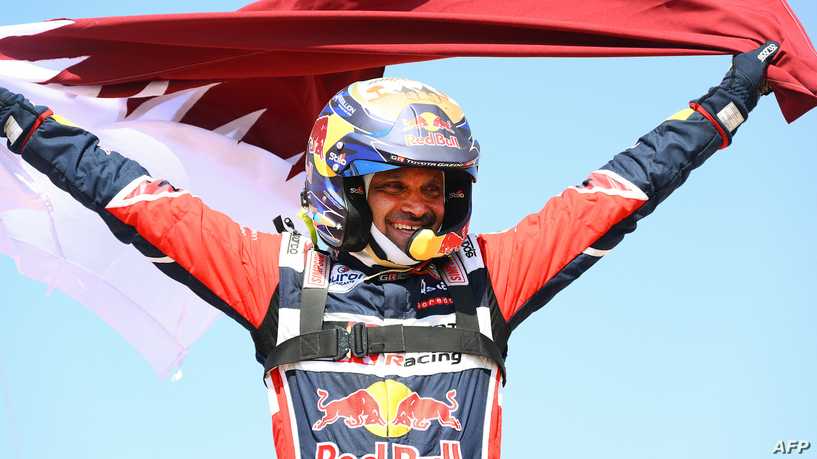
pixel 729 103
pixel 17 118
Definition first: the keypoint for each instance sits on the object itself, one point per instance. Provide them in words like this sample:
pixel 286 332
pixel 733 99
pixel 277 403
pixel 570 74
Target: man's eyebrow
pixel 388 179
pixel 390 173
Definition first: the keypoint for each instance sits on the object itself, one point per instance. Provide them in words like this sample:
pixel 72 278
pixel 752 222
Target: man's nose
pixel 415 205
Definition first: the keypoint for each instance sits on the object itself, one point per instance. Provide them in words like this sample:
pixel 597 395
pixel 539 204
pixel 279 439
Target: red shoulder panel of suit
pixel 237 264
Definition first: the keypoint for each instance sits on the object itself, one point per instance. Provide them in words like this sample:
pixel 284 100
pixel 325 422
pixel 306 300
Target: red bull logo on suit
pixel 419 412
pixel 388 409
pixel 356 409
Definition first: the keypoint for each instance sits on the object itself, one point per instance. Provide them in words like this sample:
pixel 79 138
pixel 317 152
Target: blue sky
pixel 694 338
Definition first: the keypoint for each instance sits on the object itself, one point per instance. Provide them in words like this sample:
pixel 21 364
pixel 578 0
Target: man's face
pixel 405 200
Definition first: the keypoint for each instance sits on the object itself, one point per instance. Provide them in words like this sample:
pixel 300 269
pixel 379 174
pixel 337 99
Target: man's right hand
pixel 18 118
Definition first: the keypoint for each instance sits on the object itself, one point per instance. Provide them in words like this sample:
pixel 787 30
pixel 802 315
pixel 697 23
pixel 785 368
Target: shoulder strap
pixel 456 279
pixel 314 290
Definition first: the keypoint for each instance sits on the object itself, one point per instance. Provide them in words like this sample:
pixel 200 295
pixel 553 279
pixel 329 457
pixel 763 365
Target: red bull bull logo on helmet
pixel 430 122
pixel 429 130
pixel 388 409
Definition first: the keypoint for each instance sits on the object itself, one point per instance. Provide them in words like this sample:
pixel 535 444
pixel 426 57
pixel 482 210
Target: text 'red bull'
pixel 433 139
pixel 448 450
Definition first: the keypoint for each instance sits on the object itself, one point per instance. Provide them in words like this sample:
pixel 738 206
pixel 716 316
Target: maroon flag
pixel 289 56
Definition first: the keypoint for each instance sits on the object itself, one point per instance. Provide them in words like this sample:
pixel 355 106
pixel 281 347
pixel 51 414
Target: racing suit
pixel 400 405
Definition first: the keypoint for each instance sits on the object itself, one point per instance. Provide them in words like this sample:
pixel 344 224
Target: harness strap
pixel 315 342
pixel 313 304
pixel 456 280
pixel 465 307
pixel 314 291
pixel 337 343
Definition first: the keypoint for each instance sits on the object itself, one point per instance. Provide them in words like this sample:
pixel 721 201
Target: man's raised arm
pixel 531 262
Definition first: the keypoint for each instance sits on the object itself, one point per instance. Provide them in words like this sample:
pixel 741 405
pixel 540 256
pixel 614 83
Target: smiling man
pixel 404 201
pixel 390 342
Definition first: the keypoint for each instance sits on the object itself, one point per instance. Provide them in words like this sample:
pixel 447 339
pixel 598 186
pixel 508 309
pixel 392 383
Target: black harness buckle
pixel 360 340
pixel 344 344
pixel 354 341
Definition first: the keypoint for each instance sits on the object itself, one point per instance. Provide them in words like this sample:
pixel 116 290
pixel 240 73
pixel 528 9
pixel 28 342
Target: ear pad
pixel 457 201
pixel 356 234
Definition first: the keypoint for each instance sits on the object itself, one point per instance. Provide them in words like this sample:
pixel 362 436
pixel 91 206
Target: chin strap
pixel 392 253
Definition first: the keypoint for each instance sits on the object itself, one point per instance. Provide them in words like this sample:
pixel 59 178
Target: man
pixel 392 342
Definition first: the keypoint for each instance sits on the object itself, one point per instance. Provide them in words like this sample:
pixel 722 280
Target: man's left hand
pixel 729 103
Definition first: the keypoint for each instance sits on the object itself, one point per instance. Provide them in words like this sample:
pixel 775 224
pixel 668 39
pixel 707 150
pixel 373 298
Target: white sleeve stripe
pixel 128 189
pixel 595 252
pixel 161 260
pixel 147 198
pixel 633 192
pixel 120 201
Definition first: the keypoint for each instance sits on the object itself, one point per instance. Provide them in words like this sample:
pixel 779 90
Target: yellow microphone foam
pixel 425 245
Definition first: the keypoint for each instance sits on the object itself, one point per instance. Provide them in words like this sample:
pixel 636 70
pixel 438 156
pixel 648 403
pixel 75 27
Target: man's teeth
pixel 405 227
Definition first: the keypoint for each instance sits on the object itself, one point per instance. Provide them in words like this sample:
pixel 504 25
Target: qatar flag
pixel 222 103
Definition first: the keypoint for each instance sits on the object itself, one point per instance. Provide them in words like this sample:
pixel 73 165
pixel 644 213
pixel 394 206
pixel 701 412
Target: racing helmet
pixel 378 125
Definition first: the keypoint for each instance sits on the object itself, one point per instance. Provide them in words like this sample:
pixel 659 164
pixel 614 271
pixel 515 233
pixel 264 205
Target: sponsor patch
pixel 387 409
pixel 342 279
pixel 426 288
pixel 767 51
pixel 470 254
pixel 293 246
pixel 731 117
pixel 434 139
pixel 453 273
pixel 344 105
pixel 12 129
pixel 317 270
pixel 410 360
pixel 436 301
pixel 435 164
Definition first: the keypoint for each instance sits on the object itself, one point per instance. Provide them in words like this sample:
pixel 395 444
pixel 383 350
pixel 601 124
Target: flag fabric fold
pixel 238 91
